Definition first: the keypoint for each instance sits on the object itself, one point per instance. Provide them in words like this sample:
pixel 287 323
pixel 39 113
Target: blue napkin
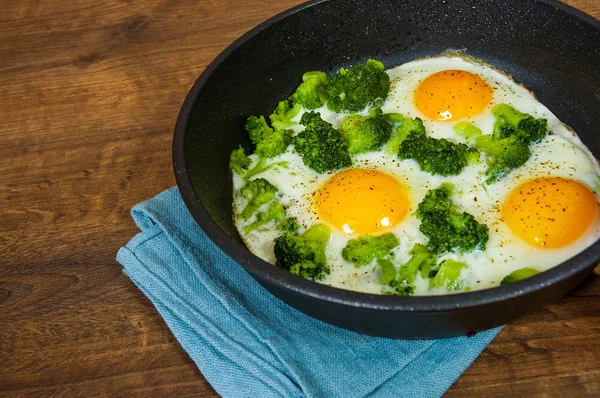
pixel 248 343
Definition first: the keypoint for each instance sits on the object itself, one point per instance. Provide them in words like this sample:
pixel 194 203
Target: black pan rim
pixel 257 267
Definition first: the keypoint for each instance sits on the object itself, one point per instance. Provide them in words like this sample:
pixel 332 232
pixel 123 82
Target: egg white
pixel 559 154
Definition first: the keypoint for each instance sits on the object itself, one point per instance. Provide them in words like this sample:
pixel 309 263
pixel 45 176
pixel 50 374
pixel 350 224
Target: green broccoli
pixel 269 142
pixel 394 118
pixel 519 275
pixel 351 90
pixel 262 166
pixel 364 249
pixel 366 134
pixel 311 92
pixel 274 144
pixel 426 260
pixel 258 192
pixel 282 116
pixel 472 156
pixel 290 225
pixel 467 130
pixel 275 212
pixel 470 132
pixel 257 128
pixel 435 156
pixel 238 161
pixel 421 259
pixel 304 255
pixel 321 147
pixel 449 230
pixel 429 268
pixel 405 127
pixel 503 155
pixel 448 275
pixel 510 122
pixel 388 271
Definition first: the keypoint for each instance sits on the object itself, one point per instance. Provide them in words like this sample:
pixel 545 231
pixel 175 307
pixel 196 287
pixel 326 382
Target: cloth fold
pixel 246 342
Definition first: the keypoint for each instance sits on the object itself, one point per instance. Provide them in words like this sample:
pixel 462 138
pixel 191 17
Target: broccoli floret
pixel 238 161
pixel 262 166
pixel 435 156
pixel 364 249
pixel 470 132
pixel 519 275
pixel 366 134
pixel 430 267
pixel 290 225
pixel 274 144
pixel 504 155
pixel 511 122
pixel 311 92
pixel 321 147
pixel 275 212
pixel 304 255
pixel 258 192
pixel 421 259
pixel 351 90
pixel 269 142
pixel 282 116
pixel 405 127
pixel 448 275
pixel 257 128
pixel 449 230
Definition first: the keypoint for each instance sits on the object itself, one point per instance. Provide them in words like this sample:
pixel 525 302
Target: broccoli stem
pixel 262 166
pixel 388 271
pixel 519 275
pixel 448 275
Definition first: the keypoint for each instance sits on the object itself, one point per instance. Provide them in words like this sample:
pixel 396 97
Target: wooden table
pixel 90 91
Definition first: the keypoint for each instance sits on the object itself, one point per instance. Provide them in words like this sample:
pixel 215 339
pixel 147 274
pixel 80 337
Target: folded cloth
pixel 248 343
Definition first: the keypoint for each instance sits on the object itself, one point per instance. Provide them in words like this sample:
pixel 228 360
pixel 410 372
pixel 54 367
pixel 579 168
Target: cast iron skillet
pixel 552 48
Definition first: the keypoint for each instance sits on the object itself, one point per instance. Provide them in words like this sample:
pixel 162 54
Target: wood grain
pixel 90 92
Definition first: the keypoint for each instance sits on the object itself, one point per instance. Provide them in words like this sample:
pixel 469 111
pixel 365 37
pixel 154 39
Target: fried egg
pixel 539 215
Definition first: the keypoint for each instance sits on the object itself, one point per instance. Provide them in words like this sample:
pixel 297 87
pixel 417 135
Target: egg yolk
pixel 452 94
pixel 358 201
pixel 550 212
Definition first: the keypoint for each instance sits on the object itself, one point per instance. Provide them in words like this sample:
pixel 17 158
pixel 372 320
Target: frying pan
pixel 550 47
